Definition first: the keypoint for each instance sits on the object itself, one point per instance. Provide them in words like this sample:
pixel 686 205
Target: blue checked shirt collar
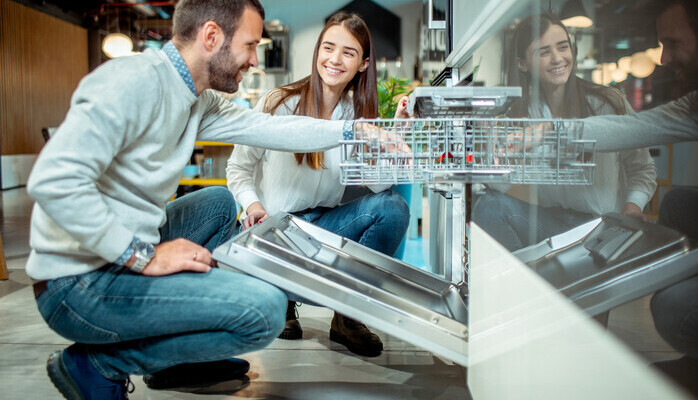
pixel 179 64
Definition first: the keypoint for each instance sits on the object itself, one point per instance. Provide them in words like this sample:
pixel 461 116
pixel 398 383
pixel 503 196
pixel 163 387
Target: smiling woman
pixel 623 182
pixel 342 85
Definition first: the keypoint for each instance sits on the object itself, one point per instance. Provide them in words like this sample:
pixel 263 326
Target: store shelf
pixel 215 144
pixel 203 182
pixel 214 149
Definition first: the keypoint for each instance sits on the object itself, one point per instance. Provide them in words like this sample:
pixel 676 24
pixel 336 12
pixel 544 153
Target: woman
pixel 342 85
pixel 623 181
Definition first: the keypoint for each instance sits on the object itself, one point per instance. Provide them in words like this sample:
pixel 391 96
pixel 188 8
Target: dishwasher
pixel 463 141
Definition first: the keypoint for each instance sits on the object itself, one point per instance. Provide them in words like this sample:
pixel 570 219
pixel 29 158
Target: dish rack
pixel 468 150
pixel 450 154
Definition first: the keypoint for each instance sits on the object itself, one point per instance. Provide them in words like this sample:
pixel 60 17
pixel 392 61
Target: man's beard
pixel 686 74
pixel 222 71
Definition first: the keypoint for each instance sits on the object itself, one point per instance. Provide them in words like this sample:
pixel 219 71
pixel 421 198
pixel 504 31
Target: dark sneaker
pixel 198 374
pixel 293 330
pixel 73 375
pixel 355 336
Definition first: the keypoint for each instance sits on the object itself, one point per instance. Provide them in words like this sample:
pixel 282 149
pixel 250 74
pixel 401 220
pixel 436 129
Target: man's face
pixel 236 56
pixel 680 50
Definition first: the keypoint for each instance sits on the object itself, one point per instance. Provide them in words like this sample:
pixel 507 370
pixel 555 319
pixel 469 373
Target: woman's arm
pixel 640 179
pixel 240 170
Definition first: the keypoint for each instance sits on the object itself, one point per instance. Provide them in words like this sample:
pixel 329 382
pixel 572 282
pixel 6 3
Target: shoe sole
pixel 291 333
pixel 61 378
pixel 226 387
pixel 190 381
pixel 356 349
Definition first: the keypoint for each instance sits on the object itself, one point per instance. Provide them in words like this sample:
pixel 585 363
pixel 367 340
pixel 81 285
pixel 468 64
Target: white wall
pixel 305 20
pixel 489 56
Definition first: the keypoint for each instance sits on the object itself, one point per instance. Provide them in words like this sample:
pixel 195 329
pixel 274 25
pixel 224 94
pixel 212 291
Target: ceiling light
pixel 619 75
pixel 573 15
pixel 266 38
pixel 624 64
pixel 117 45
pixel 655 55
pixel 597 76
pixel 641 65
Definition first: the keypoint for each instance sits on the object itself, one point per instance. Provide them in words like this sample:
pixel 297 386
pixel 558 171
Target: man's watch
pixel 144 252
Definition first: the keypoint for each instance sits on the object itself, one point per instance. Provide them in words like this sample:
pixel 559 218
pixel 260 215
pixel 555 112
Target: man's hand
pixel 633 210
pixel 255 214
pixel 177 256
pixel 527 138
pixel 389 142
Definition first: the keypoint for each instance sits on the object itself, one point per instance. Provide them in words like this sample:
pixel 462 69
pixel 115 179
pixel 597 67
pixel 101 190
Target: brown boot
pixel 355 335
pixel 293 330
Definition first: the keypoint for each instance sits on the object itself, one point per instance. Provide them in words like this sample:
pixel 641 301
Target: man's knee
pixel 675 314
pixel 270 302
pixel 671 204
pixel 220 195
pixel 490 208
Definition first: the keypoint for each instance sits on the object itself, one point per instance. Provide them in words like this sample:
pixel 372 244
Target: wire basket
pixel 487 150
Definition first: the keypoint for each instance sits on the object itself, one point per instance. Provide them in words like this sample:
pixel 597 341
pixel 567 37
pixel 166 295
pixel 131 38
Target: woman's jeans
pixel 377 221
pixel 675 309
pixel 135 324
pixel 516 224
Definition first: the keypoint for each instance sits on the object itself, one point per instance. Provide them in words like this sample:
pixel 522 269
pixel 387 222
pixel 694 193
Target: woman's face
pixel 339 58
pixel 552 55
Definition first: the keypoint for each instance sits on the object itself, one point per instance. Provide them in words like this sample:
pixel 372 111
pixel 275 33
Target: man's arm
pixel 226 122
pixel 102 119
pixel 676 121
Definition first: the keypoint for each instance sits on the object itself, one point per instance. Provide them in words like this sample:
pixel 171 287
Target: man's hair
pixel 191 15
pixel 690 6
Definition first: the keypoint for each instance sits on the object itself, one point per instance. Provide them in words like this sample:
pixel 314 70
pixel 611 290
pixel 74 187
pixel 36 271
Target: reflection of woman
pixel 623 181
pixel 342 85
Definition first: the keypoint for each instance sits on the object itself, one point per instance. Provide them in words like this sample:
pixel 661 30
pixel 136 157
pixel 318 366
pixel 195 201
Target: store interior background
pixel 42 59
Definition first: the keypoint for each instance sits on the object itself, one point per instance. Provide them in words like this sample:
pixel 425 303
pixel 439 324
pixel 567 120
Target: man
pixel 120 271
pixel 675 309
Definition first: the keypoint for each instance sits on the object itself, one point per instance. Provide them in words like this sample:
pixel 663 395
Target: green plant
pixel 389 92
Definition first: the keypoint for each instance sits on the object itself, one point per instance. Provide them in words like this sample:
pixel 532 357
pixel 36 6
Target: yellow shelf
pixel 203 182
pixel 198 143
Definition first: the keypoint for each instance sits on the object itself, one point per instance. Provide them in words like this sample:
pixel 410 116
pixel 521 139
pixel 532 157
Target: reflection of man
pixel 124 273
pixel 675 309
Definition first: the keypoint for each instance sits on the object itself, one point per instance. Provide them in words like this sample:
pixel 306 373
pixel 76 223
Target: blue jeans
pixel 135 324
pixel 675 309
pixel 377 221
pixel 516 224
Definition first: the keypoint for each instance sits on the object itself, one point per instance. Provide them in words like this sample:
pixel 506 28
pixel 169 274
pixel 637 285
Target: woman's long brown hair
pixel 576 88
pixel 309 89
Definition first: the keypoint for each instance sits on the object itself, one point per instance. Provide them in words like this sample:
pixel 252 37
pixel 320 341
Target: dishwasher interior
pixel 464 144
pixel 598 265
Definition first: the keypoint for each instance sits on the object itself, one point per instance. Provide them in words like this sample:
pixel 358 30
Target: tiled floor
pixel 309 369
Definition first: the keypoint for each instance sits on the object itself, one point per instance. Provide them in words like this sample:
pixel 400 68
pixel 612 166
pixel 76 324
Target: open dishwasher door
pixel 612 260
pixel 332 271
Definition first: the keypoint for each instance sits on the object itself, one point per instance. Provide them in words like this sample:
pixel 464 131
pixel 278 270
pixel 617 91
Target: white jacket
pixel 275 179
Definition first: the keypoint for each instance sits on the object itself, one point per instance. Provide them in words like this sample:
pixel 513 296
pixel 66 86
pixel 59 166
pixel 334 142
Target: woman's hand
pixel 633 210
pixel 255 214
pixel 401 111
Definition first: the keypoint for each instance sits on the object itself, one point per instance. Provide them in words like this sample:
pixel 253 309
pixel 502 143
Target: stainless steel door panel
pixel 612 260
pixel 332 271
